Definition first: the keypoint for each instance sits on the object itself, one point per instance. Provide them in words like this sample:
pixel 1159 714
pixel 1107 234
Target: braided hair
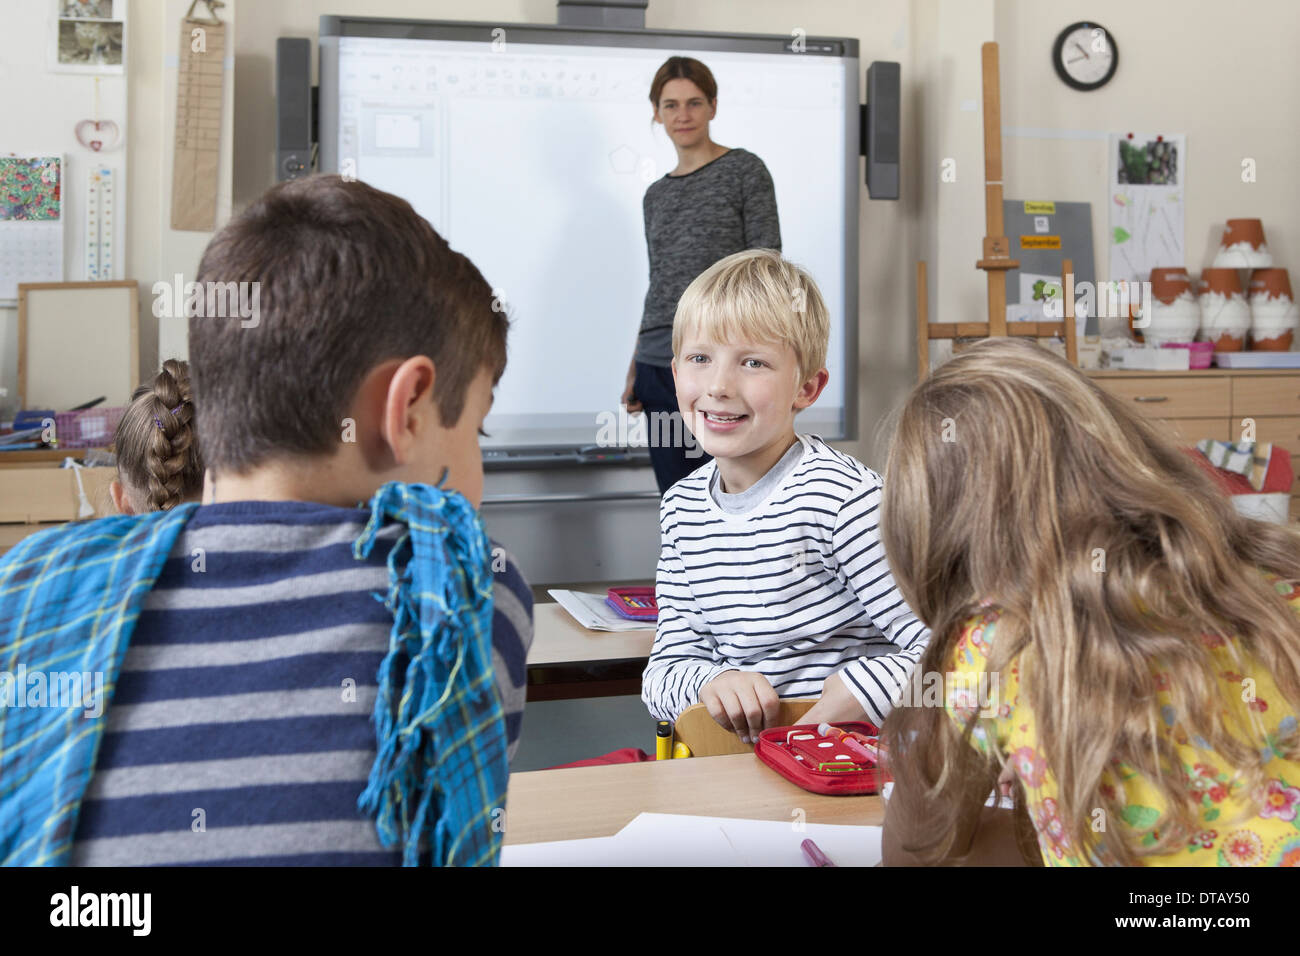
pixel 156 443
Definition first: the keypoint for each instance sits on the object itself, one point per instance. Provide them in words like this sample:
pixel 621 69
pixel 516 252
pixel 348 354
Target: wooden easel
pixel 996 261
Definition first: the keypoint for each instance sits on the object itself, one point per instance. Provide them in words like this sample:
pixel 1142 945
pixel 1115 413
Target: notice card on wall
pixel 1148 179
pixel 31 222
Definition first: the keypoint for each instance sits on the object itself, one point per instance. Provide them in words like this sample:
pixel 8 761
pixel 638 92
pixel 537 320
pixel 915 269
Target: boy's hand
pixel 836 706
pixel 742 702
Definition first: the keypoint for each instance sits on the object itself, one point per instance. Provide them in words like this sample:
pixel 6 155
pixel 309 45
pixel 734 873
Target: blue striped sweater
pixel 240 730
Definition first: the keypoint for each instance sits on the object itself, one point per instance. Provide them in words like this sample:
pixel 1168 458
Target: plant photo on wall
pixel 1154 163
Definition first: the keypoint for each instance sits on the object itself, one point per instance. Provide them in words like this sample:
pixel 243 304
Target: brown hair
pixel 683 68
pixel 349 277
pixel 1009 473
pixel 156 446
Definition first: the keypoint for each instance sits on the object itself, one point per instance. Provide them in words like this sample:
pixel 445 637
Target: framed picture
pixel 88 36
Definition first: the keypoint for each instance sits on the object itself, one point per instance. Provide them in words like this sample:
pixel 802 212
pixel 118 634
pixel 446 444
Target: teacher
pixel 718 201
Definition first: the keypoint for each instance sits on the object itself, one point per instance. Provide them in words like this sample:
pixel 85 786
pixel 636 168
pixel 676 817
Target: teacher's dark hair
pixel 683 68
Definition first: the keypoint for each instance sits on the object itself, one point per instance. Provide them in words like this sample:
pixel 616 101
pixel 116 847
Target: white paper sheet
pixel 669 839
pixel 591 611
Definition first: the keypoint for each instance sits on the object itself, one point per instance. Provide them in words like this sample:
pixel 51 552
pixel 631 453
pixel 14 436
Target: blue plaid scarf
pixel 69 600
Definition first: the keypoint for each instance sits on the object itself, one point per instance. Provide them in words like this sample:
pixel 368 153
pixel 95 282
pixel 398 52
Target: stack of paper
pixel 591 611
pixel 669 839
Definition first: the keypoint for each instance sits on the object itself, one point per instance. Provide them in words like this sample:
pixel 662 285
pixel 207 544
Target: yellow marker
pixel 681 750
pixel 663 740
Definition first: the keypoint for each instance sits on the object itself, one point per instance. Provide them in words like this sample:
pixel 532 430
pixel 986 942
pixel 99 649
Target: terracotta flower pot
pixel 1270 284
pixel 1222 281
pixel 1225 314
pixel 1167 284
pixel 1175 315
pixel 1243 246
pixel 1273 312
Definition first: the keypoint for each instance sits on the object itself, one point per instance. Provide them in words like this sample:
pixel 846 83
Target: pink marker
pixel 813 854
pixel 851 742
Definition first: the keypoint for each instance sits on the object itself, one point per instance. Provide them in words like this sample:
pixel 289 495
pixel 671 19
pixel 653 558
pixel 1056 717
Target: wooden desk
pixel 599 801
pixel 559 639
pixel 567 661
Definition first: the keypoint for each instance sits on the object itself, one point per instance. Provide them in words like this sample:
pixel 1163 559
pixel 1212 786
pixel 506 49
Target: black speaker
pixel 293 108
pixel 626 14
pixel 881 129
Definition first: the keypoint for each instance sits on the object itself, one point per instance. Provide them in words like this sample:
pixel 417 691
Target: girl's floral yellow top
pixel 1229 836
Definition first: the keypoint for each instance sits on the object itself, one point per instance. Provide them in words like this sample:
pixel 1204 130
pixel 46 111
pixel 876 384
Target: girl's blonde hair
pixel 1014 480
pixel 757 296
pixel 156 444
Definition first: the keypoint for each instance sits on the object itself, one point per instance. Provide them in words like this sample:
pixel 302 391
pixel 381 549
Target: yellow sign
pixel 1040 242
pixel 1039 208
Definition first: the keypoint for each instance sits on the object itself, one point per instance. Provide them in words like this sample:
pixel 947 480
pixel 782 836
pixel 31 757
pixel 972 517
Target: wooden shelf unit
pixel 1214 403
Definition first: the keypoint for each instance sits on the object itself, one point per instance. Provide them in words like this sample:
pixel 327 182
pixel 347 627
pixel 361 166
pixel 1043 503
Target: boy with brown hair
pixel 294 678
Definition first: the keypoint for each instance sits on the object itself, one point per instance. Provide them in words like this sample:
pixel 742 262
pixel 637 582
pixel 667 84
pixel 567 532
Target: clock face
pixel 1085 56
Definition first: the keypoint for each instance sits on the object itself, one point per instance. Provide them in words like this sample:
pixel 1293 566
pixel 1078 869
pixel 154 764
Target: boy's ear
pixel 409 410
pixel 810 390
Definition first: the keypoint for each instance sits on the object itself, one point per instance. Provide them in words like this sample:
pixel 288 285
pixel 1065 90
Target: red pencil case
pixel 800 754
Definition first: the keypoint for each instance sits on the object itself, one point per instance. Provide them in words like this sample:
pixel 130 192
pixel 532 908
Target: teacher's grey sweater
pixel 691 222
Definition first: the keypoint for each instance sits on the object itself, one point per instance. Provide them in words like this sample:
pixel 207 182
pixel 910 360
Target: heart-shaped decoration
pixel 97 134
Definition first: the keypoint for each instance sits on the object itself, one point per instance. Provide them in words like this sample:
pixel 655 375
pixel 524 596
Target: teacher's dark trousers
pixel 653 387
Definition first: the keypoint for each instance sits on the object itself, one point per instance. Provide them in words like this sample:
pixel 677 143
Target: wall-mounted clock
pixel 1085 56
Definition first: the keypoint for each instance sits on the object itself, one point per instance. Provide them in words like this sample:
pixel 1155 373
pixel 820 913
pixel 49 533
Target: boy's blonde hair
pixel 757 296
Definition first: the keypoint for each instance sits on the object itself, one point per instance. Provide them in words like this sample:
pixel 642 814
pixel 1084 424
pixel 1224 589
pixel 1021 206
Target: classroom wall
pixel 38 116
pixel 1225 75
pixel 42 117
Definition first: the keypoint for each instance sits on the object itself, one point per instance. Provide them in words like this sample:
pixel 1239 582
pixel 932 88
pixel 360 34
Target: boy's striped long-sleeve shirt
pixel 796 589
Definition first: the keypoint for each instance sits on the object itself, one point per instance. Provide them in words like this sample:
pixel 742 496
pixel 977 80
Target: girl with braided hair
pixel 158 463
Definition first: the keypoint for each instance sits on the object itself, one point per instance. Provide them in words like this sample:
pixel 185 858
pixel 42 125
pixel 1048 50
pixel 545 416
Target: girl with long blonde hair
pixel 1115 645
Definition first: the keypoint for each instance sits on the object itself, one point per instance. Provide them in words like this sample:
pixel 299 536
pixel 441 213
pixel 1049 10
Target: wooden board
pixel 77 341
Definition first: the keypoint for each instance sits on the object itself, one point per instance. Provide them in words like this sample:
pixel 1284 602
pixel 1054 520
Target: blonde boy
pixel 772 579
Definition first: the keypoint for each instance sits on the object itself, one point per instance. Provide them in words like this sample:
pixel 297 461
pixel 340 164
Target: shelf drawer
pixel 1265 395
pixel 1276 429
pixel 1191 430
pixel 1178 397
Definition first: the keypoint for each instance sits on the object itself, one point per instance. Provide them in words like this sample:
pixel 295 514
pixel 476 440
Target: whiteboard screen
pixel 533 158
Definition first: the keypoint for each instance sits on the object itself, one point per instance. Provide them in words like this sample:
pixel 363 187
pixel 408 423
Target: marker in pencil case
pixel 852 741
